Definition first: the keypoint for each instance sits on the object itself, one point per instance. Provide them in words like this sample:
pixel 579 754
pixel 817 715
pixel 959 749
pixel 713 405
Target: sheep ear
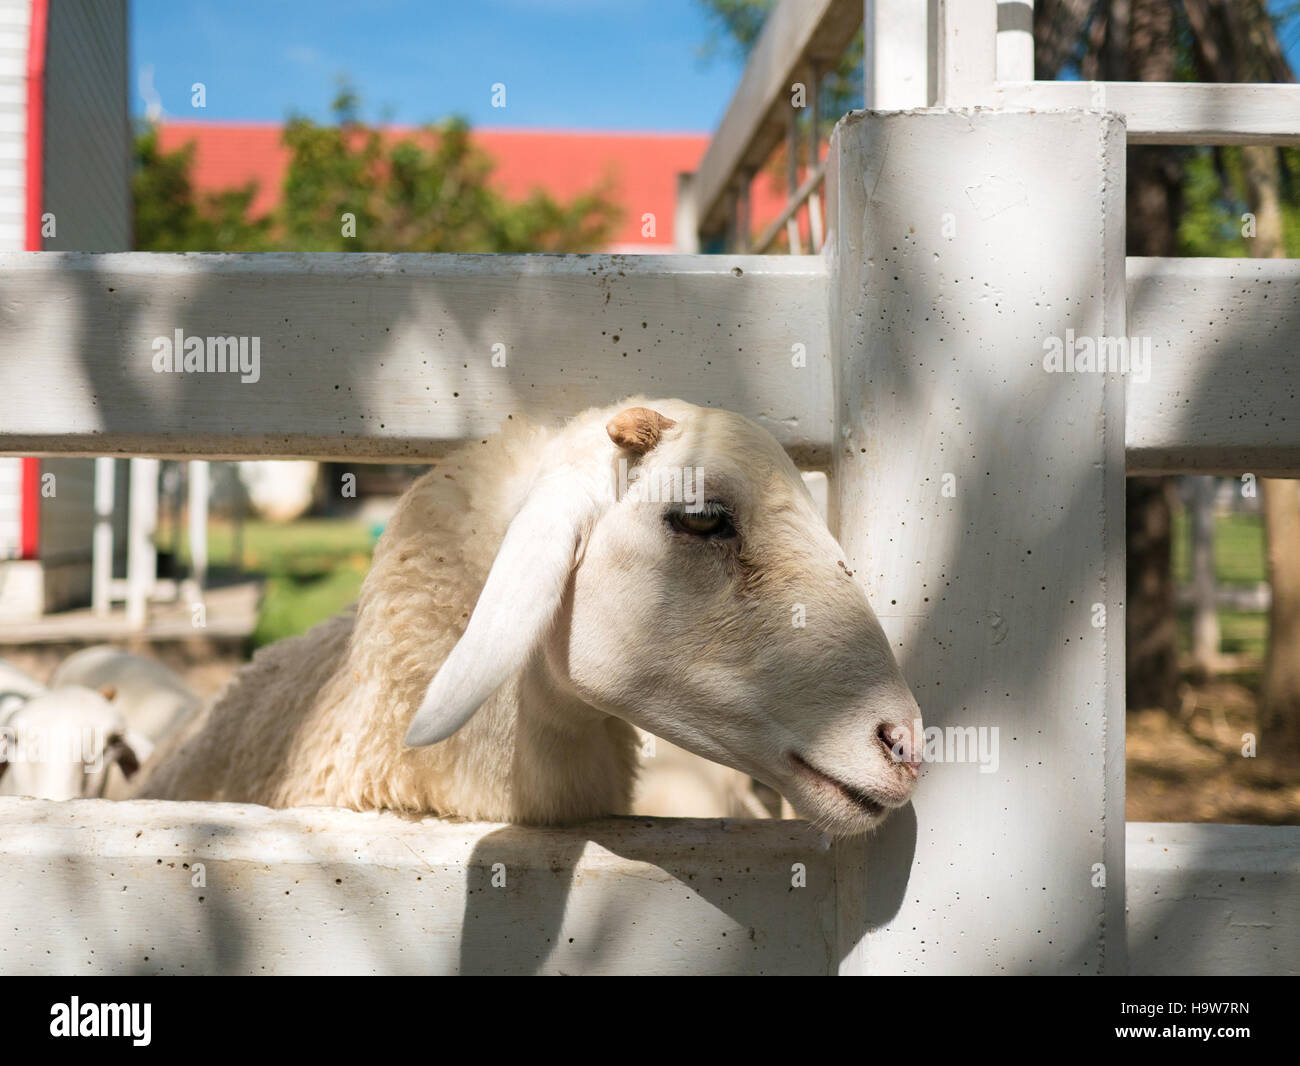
pixel 514 610
pixel 637 429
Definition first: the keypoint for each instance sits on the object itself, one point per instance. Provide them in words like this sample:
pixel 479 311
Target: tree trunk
pixel 1141 35
pixel 1235 41
pixel 1280 697
pixel 1205 605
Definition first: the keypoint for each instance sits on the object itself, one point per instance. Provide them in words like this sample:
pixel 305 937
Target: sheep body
pixel 319 718
pixel 523 611
pixel 153 700
pixel 16 688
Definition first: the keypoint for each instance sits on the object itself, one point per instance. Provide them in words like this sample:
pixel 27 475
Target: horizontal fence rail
pixel 1169 112
pixel 1224 394
pixel 795 33
pixel 393 356
pixel 185 888
pixel 1213 899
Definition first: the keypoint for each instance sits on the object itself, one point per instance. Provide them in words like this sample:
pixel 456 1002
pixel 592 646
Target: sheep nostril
pixel 897 742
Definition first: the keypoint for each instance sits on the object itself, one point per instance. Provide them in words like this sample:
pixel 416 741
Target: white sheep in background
pixel 154 701
pixel 62 744
pixel 593 610
pixel 16 688
pixel 673 783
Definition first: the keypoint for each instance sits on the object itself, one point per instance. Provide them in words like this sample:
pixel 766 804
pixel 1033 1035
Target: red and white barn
pixel 64 186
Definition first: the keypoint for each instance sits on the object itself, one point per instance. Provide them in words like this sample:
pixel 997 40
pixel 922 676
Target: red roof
pixel 642 168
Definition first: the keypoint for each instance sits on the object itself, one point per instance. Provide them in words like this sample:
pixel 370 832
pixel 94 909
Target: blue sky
pixel 566 64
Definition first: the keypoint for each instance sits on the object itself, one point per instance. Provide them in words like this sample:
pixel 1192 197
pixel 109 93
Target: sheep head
pixel 61 743
pixel 668 567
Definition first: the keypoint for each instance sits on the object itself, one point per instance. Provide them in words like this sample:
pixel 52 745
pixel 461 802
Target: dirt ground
pixel 1188 766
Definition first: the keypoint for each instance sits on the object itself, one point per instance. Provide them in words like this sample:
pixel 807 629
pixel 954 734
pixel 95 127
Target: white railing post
pixel 1015 48
pixel 199 481
pixel 968 50
pixel 792 179
pixel 816 232
pixel 980 500
pixel 744 223
pixel 686 219
pixel 896 58
pixel 141 556
pixel 101 566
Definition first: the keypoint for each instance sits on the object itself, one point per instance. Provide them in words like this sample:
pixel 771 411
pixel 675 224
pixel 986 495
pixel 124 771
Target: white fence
pixel 978 497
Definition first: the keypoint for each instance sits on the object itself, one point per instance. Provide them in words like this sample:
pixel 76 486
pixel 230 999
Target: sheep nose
pixel 900 741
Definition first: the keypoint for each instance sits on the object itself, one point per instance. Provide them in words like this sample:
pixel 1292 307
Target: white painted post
pixel 141 557
pixel 896 58
pixel 198 517
pixel 968 50
pixel 816 232
pixel 792 179
pixel 980 499
pixel 744 222
pixel 686 222
pixel 1015 48
pixel 101 565
pixel 1205 609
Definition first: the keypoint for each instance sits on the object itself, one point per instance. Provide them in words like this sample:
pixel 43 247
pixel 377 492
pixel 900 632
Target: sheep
pixel 16 688
pixel 539 594
pixel 62 743
pixel 673 783
pixel 153 700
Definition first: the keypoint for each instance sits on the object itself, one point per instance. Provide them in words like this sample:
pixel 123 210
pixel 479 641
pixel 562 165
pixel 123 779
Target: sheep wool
pixel 319 719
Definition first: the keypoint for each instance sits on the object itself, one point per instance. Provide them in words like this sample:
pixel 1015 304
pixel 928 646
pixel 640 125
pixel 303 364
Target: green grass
pixel 1238 548
pixel 1238 560
pixel 313 568
pixel 1240 632
pixel 292 605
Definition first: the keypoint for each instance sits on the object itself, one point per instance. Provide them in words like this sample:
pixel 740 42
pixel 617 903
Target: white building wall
pixel 14 16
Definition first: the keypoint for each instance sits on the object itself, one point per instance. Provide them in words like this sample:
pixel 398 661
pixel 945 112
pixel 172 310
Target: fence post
pixel 967 40
pixel 141 556
pixel 101 559
pixel 686 222
pixel 199 484
pixel 897 55
pixel 1015 47
pixel 980 499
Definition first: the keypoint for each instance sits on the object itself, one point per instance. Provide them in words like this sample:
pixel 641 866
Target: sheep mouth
pixel 856 796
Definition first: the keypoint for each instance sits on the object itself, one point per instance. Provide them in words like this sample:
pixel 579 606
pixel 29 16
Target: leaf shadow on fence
pixel 698 896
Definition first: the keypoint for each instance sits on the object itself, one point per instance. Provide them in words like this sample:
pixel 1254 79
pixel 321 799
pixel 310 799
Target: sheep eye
pixel 713 521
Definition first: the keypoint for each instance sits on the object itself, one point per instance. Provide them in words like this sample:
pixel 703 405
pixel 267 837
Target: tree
pixel 171 217
pixel 422 193
pixel 350 187
pixel 1213 41
pixel 1237 41
pixel 1133 40
pixel 737 25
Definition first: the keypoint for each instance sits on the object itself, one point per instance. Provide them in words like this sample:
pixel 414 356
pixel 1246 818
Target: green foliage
pixel 313 568
pixel 171 217
pixel 428 192
pixel 738 23
pixel 1214 201
pixel 735 22
pixel 1238 548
